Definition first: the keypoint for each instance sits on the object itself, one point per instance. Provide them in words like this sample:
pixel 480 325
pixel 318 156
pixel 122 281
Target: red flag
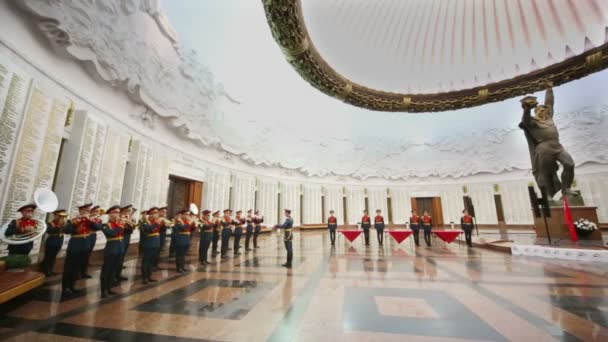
pixel 569 220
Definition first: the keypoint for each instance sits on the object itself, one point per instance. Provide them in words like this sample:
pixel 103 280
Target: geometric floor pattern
pixel 347 293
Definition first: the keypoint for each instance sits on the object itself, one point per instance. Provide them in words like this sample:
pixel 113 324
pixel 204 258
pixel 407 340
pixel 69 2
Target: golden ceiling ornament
pixel 289 31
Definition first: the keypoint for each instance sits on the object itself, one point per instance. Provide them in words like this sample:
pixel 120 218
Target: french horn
pixel 46 201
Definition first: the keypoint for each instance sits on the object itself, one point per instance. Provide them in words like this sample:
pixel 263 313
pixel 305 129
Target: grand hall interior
pixel 303 170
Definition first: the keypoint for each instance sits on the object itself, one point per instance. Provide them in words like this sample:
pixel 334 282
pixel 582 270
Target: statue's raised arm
pixel 549 99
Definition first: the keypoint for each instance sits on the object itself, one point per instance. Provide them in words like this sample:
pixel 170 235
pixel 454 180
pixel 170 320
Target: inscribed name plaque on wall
pixel 28 152
pixel 75 162
pixel 134 172
pixel 14 86
pixel 120 166
pixel 52 144
pixel 108 164
pixel 95 169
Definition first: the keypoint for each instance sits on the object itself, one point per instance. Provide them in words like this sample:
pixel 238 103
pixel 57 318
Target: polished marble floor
pixel 346 293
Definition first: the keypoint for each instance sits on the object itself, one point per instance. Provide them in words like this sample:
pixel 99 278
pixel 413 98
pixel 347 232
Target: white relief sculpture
pixel 116 41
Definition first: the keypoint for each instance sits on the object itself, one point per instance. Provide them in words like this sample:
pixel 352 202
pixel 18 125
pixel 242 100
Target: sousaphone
pixel 46 201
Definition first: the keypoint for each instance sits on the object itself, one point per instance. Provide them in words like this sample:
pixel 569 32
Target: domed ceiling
pixel 433 55
pixel 213 72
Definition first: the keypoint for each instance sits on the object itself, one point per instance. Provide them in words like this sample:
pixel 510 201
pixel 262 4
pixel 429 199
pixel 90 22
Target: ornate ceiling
pixel 148 50
pixel 435 55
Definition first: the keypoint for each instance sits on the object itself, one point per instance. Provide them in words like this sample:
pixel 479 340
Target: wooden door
pixel 432 205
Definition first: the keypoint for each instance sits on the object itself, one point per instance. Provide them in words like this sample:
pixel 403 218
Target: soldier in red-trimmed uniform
pixel 332 225
pixel 114 231
pixel 366 225
pixel 379 225
pixel 23 225
pixel 415 227
pixel 466 223
pixel 427 225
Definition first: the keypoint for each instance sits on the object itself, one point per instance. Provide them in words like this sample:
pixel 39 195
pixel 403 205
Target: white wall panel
pixel 312 204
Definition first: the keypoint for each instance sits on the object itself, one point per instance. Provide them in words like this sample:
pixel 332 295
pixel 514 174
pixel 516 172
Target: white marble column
pixel 401 204
pixel 312 204
pixel 216 193
pixel 377 200
pixel 268 203
pixel 355 203
pixel 482 196
pixel 243 192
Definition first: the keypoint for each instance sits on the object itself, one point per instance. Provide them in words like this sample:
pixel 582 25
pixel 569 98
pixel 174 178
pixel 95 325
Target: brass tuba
pixel 46 201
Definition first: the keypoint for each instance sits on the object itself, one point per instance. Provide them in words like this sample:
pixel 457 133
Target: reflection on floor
pixel 394 293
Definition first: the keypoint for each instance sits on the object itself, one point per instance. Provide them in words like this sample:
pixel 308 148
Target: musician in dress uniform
pixel 217 224
pixel 25 224
pixel 182 226
pixel 238 231
pixel 227 227
pixel 248 229
pixel 288 237
pixel 332 225
pixel 143 217
pixel 466 223
pixel 54 241
pixel 379 226
pixel 206 237
pixel 257 223
pixel 113 251
pixel 79 229
pixel 427 225
pixel 151 235
pixel 125 216
pixel 162 214
pixel 415 227
pixel 94 214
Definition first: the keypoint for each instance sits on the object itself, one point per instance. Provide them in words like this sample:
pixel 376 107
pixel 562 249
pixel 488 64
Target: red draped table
pixel 351 235
pixel 399 235
pixel 447 235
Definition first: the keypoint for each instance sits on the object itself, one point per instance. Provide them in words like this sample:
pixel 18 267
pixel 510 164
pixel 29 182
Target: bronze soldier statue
pixel 545 149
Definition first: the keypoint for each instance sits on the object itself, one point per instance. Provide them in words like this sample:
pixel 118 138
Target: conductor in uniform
pixel 287 226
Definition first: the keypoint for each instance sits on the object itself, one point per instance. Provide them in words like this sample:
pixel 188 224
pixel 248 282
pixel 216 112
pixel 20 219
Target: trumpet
pixel 128 220
pixel 168 223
